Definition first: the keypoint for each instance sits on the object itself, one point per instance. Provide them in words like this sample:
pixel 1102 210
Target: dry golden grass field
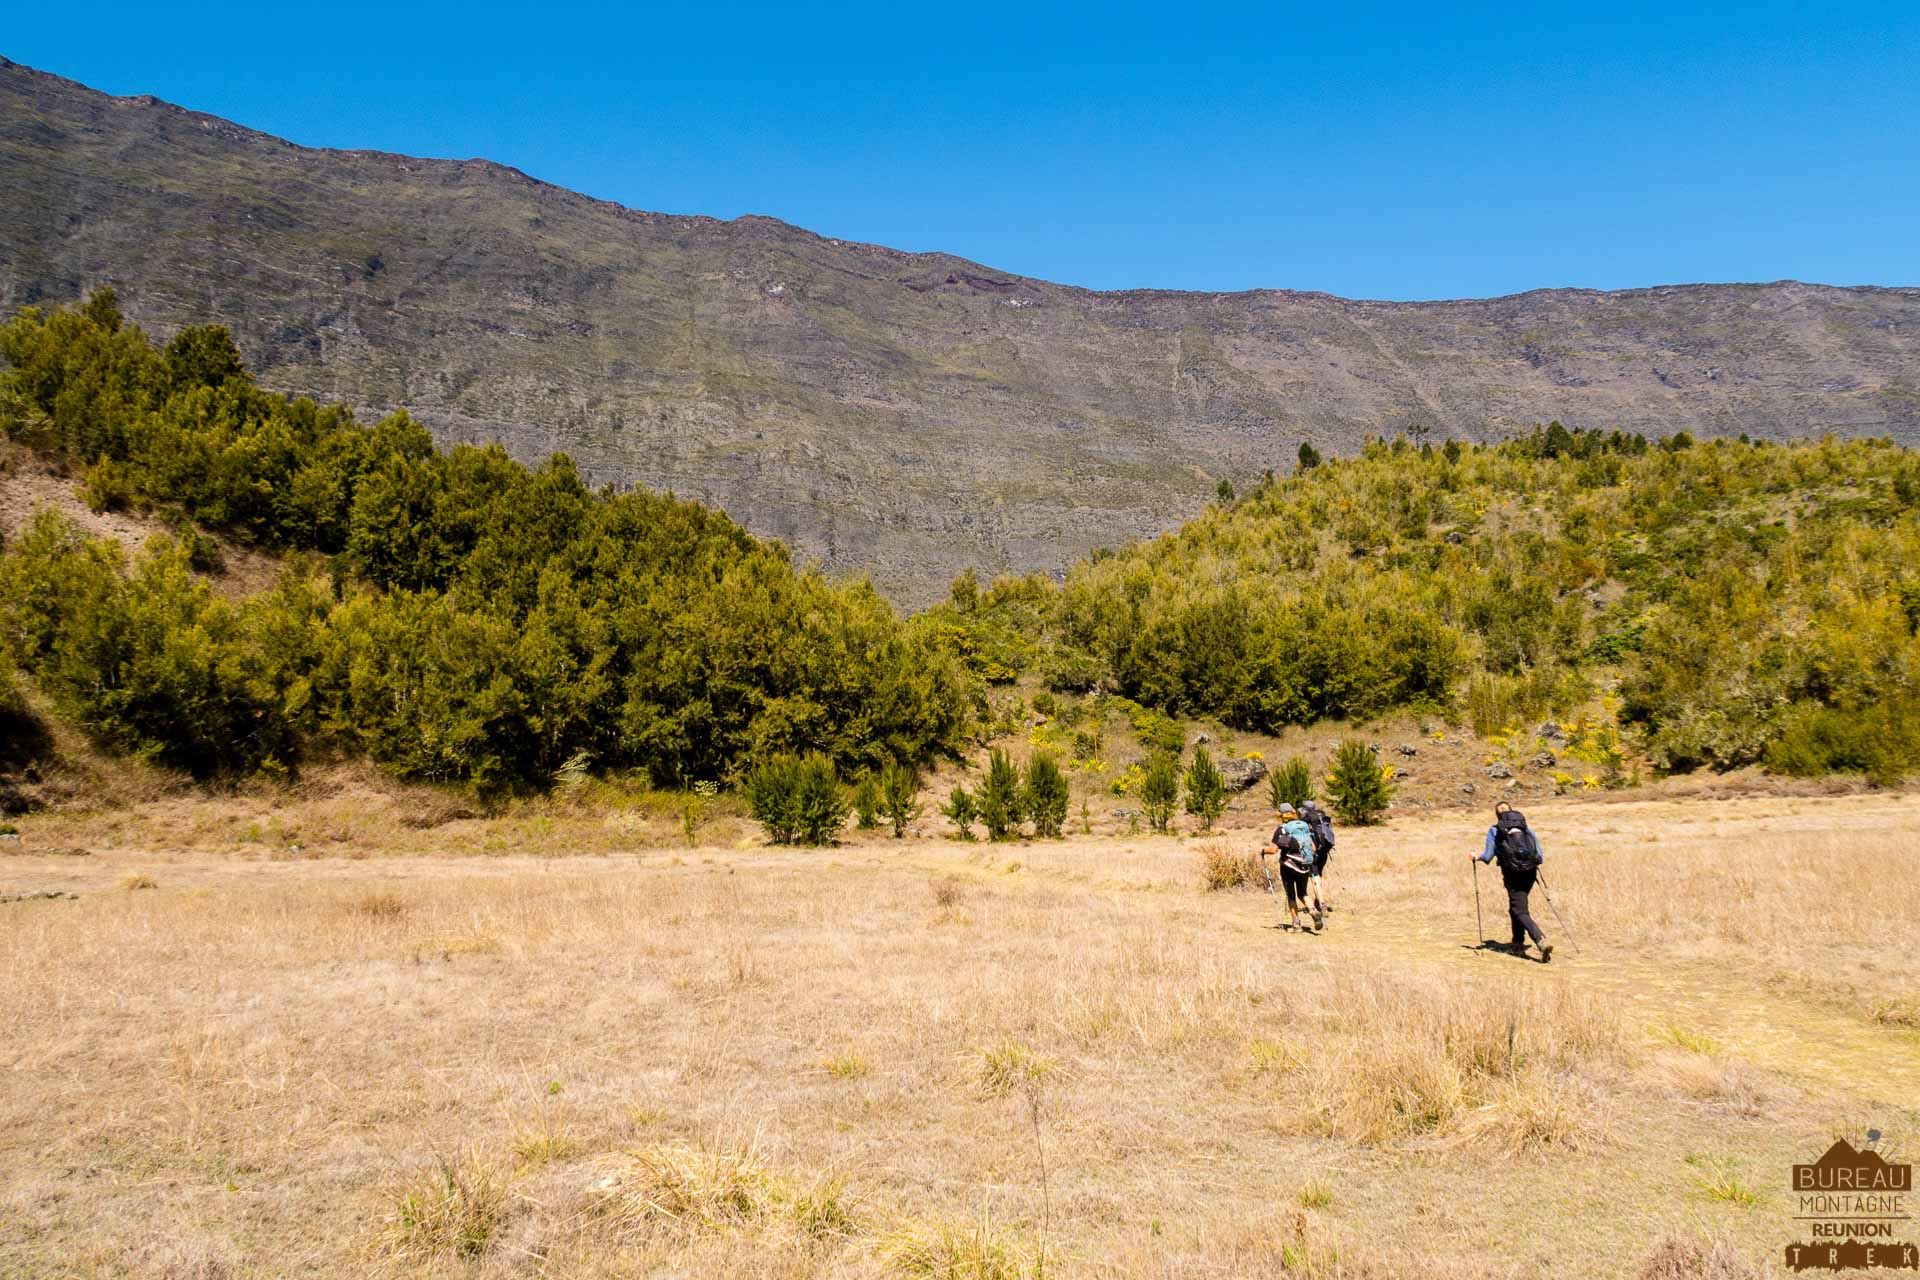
pixel 464 1046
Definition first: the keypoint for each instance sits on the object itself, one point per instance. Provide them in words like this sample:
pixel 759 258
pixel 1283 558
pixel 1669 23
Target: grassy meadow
pixel 470 1046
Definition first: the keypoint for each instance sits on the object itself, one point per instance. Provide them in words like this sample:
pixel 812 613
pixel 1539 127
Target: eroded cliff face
pixel 906 415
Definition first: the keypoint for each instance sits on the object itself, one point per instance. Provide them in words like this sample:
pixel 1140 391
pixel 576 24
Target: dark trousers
pixel 1519 885
pixel 1296 883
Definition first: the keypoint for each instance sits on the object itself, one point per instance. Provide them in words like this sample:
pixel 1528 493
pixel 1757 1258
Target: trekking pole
pixel 1558 917
pixel 1478 927
pixel 1265 872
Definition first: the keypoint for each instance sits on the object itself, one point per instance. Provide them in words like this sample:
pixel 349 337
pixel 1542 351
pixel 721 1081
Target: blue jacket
pixel 1493 840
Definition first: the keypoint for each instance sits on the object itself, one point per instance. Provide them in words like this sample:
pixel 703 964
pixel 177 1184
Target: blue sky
pixel 1386 151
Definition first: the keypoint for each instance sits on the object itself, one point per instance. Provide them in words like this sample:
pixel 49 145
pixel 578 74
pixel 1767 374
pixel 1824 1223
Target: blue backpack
pixel 1301 833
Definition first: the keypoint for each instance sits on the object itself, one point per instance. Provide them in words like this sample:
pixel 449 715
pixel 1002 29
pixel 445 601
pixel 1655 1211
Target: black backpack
pixel 1322 827
pixel 1515 844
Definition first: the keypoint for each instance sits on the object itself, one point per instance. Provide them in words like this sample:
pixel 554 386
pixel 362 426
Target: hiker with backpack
pixel 1320 823
pixel 1512 844
pixel 1293 843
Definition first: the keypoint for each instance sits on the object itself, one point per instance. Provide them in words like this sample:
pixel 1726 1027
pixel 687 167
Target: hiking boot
pixel 1319 920
pixel 1546 952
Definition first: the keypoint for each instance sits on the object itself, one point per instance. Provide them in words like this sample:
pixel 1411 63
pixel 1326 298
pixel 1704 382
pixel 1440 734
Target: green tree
pixel 962 811
pixel 866 801
pixel 1309 456
pixel 1002 797
pixel 798 799
pixel 1047 795
pixel 1206 789
pixel 1358 784
pixel 1291 783
pixel 1160 790
pixel 900 791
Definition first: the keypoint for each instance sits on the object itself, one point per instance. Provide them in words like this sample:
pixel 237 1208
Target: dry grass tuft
pixel 845 1065
pixel 714 1189
pixel 947 892
pixel 543 1144
pixel 1696 1258
pixel 1718 1082
pixel 1720 1180
pixel 138 881
pixel 382 905
pixel 1223 867
pixel 943 1251
pixel 1897 1011
pixel 1686 1038
pixel 455 1209
pixel 1010 1065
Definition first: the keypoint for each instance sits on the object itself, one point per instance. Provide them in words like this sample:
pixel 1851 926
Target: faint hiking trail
pixel 1786 1032
pixel 1781 1031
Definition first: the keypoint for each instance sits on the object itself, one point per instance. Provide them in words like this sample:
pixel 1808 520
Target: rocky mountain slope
pixel 903 414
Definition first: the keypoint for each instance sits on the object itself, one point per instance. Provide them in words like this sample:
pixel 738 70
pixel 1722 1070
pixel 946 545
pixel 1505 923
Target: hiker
pixel 1293 842
pixel 1320 823
pixel 1511 843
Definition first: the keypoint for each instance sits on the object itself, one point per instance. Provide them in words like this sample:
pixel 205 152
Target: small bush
pixel 1046 795
pixel 1206 789
pixel 900 797
pixel 962 811
pixel 1221 867
pixel 1002 797
pixel 138 881
pixel 1291 783
pixel 947 892
pixel 574 774
pixel 799 800
pixel 108 486
pixel 1358 784
pixel 1160 789
pixel 866 801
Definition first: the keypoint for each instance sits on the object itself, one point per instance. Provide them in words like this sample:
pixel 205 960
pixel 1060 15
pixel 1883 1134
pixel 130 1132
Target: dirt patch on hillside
pixel 31 482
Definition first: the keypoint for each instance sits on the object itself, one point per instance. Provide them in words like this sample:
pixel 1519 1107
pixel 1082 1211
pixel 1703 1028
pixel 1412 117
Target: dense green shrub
pixel 475 620
pixel 900 796
pixel 1882 741
pixel 1160 790
pixel 961 810
pixel 798 799
pixel 1206 789
pixel 1358 784
pixel 1002 799
pixel 1047 795
pixel 1291 783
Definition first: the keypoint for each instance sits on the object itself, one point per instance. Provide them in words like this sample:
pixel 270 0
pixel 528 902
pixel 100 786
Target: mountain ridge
pixel 907 414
